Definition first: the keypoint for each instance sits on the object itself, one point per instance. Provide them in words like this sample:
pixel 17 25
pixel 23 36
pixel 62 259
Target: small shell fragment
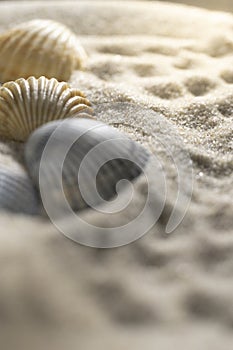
pixel 39 47
pixel 17 193
pixel 98 158
pixel 27 104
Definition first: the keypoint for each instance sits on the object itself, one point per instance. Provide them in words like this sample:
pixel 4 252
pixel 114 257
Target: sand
pixel 164 290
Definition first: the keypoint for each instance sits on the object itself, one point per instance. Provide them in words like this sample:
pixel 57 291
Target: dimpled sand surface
pixel 165 290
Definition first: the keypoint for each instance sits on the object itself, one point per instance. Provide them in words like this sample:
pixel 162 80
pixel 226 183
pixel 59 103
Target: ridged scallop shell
pixel 27 104
pixel 17 193
pixel 39 47
pixel 122 159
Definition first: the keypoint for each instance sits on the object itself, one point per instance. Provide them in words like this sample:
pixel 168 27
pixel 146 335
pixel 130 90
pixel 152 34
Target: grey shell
pixel 94 148
pixel 17 193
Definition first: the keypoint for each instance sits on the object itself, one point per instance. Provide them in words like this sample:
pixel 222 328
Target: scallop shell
pixel 94 148
pixel 39 47
pixel 27 104
pixel 17 193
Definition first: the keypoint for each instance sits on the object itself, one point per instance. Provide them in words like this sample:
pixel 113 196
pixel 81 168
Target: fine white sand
pixel 165 290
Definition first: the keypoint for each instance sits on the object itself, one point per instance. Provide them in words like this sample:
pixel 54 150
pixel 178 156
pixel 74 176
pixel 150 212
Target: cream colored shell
pixel 27 104
pixel 39 47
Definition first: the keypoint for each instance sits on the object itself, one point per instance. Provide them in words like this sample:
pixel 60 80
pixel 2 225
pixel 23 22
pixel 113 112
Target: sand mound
pixel 163 290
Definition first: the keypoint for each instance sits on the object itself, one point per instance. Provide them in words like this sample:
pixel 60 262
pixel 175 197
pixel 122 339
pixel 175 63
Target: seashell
pixel 17 193
pixel 39 47
pixel 101 154
pixel 27 104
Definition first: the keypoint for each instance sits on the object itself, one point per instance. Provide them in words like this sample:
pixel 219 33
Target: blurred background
pixel 223 5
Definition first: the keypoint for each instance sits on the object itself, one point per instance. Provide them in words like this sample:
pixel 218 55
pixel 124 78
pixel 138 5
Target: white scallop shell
pixel 104 155
pixel 17 193
pixel 27 104
pixel 39 47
